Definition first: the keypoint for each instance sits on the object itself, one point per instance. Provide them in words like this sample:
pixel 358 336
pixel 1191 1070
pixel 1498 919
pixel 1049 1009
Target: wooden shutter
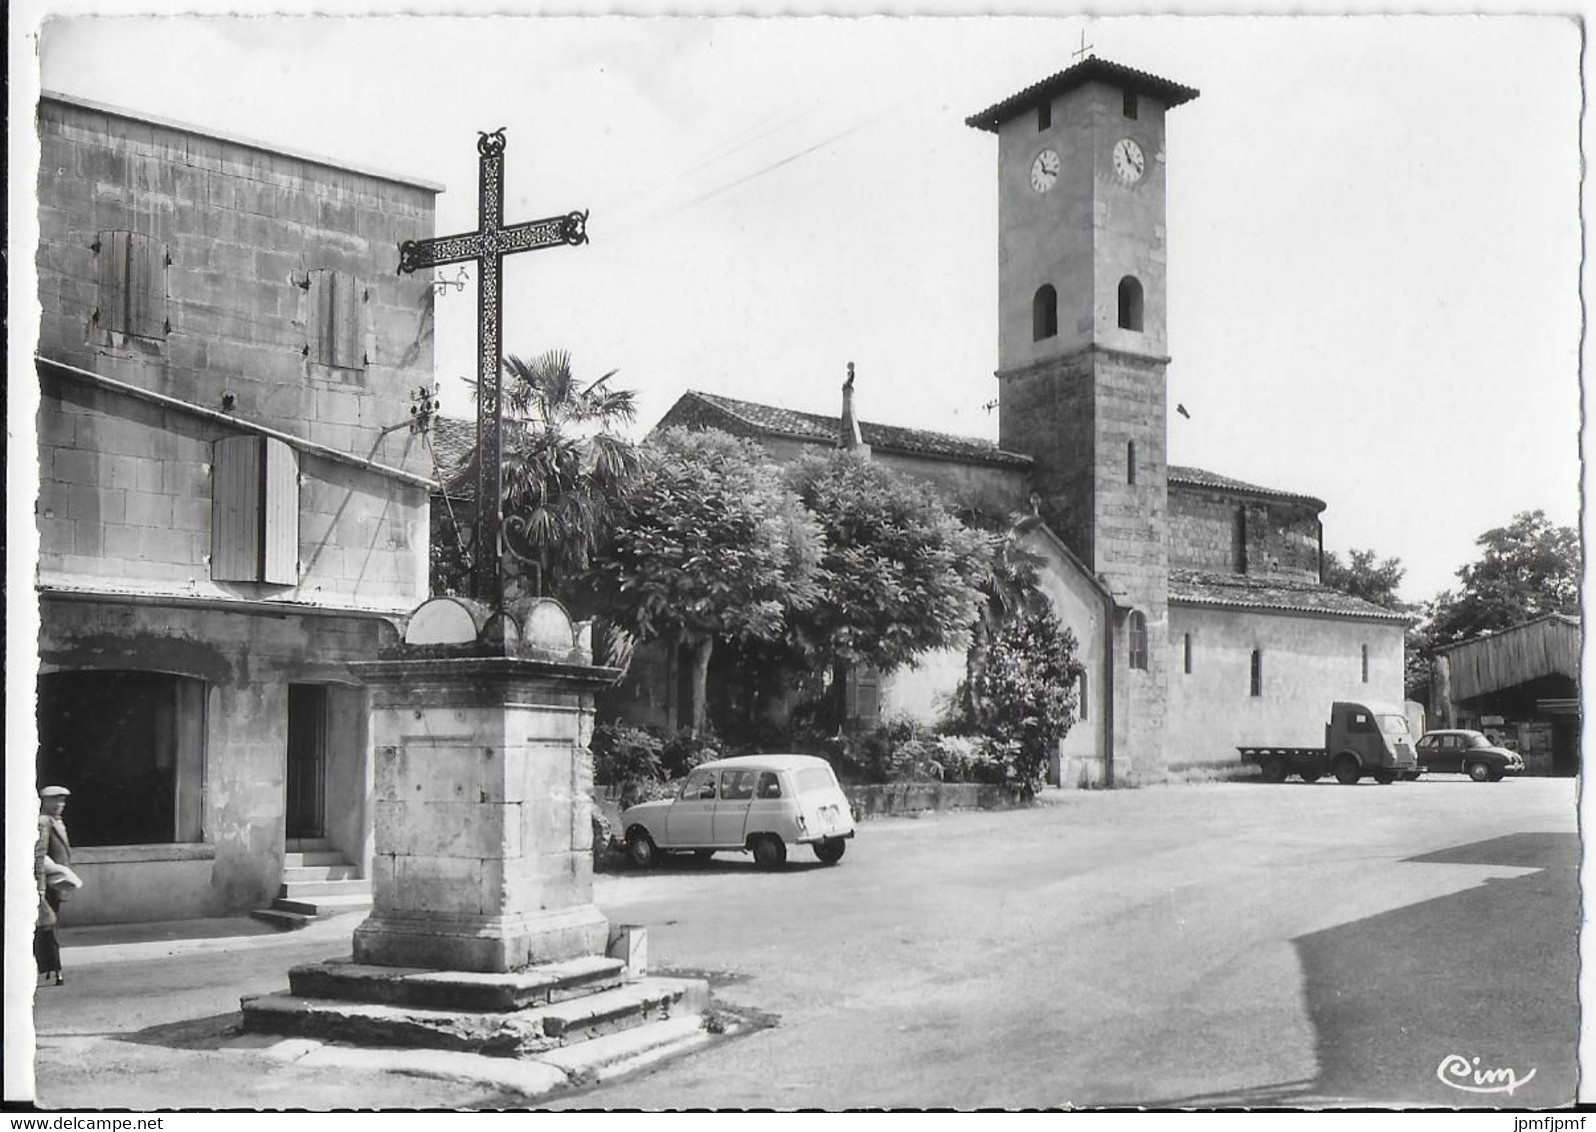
pixel 864 694
pixel 146 287
pixel 112 281
pixel 335 325
pixel 280 515
pixel 235 509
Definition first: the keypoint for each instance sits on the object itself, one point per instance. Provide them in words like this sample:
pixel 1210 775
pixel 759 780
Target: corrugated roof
pixel 1239 591
pixel 1091 69
pixel 815 427
pixel 1197 477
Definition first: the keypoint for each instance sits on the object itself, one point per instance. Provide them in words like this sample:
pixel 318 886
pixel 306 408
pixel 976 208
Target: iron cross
pixel 488 245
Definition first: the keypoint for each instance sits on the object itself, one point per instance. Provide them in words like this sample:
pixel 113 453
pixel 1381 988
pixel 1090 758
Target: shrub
pixel 622 753
pixel 684 750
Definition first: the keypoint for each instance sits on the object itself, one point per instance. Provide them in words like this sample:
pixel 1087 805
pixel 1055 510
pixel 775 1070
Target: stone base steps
pixel 542 985
pixel 534 1030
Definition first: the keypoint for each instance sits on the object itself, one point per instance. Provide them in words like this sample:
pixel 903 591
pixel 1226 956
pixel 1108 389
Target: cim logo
pixel 1459 1072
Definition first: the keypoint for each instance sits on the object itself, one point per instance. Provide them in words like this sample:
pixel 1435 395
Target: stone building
pixel 232 505
pixel 1196 598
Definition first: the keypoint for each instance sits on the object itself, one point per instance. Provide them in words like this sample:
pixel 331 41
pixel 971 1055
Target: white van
pixel 755 803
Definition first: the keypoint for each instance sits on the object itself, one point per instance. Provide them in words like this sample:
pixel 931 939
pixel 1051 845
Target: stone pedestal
pixel 482 797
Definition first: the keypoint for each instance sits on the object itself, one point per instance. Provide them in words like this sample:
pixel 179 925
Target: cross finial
pixel 1085 47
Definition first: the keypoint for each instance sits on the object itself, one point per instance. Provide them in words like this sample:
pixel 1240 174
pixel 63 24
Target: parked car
pixel 1467 752
pixel 757 804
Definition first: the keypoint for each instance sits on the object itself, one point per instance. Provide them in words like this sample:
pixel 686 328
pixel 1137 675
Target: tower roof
pixel 1091 69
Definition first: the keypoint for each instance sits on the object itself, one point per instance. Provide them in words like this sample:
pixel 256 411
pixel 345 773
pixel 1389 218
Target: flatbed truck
pixel 1361 739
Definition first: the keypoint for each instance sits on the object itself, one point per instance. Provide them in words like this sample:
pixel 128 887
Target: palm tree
pixel 1009 587
pixel 564 464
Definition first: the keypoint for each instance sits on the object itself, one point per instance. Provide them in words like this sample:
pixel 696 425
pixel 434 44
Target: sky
pixel 1373 229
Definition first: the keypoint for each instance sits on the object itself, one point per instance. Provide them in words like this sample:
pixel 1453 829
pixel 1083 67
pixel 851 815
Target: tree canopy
pixel 710 544
pixel 1527 568
pixel 1363 576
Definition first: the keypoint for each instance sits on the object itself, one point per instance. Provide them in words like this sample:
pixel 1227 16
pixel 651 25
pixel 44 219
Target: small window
pixel 336 326
pixel 1130 104
pixel 1138 640
pixel 769 785
pixel 1044 313
pixel 1130 462
pixel 1365 664
pixel 1082 698
pixel 1044 116
pixel 1130 304
pixel 131 285
pixel 1187 643
pixel 1257 672
pixel 737 785
pixel 254 511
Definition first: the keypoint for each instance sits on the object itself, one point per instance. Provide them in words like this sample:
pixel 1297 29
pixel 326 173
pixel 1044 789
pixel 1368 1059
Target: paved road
pixel 1187 946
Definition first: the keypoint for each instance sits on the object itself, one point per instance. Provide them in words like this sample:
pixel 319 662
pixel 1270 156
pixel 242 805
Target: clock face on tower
pixel 1129 162
pixel 1044 170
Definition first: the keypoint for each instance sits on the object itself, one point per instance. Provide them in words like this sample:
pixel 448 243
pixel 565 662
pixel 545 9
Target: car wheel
pixel 640 848
pixel 770 852
pixel 1311 776
pixel 1384 777
pixel 703 854
pixel 830 850
pixel 1347 770
pixel 1274 770
pixel 1479 772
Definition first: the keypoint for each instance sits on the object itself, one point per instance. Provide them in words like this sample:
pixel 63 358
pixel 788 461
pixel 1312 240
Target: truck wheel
pixel 1311 776
pixel 1479 772
pixel 1384 777
pixel 640 848
pixel 1347 770
pixel 1274 770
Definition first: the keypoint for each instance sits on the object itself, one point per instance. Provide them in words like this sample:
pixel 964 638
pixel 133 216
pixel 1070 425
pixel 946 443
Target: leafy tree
pixel 1527 568
pixel 1009 588
pixel 565 466
pixel 1025 695
pixel 900 574
pixel 708 546
pixel 1362 576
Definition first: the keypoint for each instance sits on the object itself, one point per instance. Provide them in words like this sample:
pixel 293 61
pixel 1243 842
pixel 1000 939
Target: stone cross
pixel 487 246
pixel 1085 47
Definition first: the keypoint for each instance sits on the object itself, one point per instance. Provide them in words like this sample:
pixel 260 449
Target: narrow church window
pixel 254 511
pixel 132 284
pixel 1138 640
pixel 335 328
pixel 1365 664
pixel 1130 104
pixel 1044 115
pixel 1081 697
pixel 1130 462
pixel 1130 303
pixel 1239 544
pixel 1044 313
pixel 1188 653
pixel 1257 672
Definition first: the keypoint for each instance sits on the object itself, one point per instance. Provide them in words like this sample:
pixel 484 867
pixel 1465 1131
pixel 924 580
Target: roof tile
pixel 1239 591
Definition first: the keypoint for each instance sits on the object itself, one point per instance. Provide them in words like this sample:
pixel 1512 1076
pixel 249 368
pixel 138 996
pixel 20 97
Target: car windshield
pixel 1394 725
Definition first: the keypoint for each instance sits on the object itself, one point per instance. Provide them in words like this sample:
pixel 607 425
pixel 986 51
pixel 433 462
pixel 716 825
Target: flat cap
pixel 55 792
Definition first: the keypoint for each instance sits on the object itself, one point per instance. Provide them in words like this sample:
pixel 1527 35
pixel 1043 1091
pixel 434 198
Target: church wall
pixel 1308 663
pixel 1223 533
pixel 1082 609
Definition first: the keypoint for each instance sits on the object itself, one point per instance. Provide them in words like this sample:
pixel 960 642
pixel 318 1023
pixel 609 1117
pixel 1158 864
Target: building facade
pixel 232 504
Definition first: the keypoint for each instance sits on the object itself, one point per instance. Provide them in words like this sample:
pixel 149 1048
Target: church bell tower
pixel 1082 347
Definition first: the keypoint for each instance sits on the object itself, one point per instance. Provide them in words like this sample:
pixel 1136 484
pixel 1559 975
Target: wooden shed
pixel 1521 685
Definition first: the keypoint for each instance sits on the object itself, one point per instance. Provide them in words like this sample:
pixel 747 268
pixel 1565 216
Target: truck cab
pixel 1370 739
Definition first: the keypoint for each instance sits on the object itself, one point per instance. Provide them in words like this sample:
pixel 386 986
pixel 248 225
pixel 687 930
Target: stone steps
pixel 462 990
pixel 318 881
pixel 514 1033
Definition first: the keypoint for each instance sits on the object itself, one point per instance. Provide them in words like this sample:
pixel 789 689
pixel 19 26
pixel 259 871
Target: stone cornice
pixel 1041 365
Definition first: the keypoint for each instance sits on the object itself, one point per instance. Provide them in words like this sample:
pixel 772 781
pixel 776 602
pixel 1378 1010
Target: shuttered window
pixel 864 694
pixel 337 320
pixel 254 511
pixel 132 284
